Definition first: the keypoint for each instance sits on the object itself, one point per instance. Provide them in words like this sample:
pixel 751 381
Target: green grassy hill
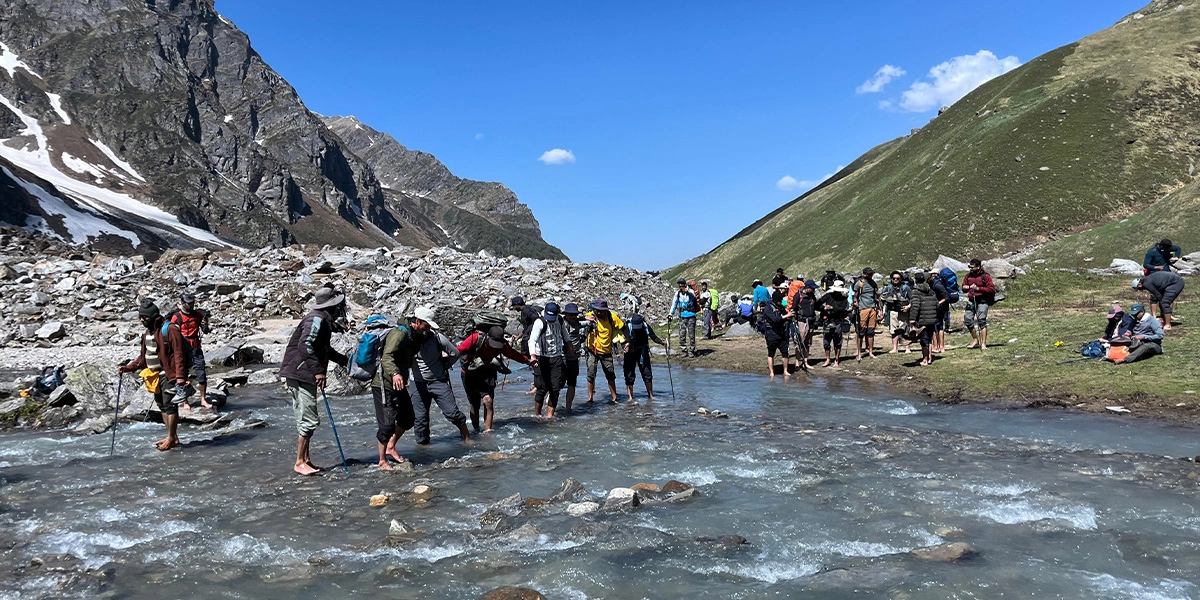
pixel 1073 141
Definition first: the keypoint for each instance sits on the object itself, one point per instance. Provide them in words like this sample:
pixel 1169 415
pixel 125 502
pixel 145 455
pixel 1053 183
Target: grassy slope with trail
pixel 1075 139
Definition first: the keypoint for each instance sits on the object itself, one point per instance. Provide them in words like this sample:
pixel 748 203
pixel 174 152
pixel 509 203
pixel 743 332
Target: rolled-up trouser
pixel 687 333
pixel 548 378
pixel 1144 350
pixel 637 359
pixel 1170 294
pixel 304 406
pixel 604 361
pixel 708 322
pixel 434 391
pixel 393 411
pixel 802 336
pixel 897 321
pixel 832 338
pixel 976 315
pixel 199 367
pixel 169 397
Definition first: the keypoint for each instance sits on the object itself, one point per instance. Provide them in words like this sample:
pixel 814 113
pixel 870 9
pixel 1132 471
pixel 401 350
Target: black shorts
pixel 479 383
pixel 572 371
pixel 777 344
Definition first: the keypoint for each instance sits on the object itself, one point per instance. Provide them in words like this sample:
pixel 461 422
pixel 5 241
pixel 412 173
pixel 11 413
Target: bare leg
pixel 771 366
pixel 383 463
pixel 475 418
pixel 490 410
pixel 303 466
pixel 629 391
pixel 612 390
pixel 828 361
pixel 537 408
pixel 650 390
pixel 570 396
pixel 202 388
pixel 591 392
pixel 974 339
pixel 391 446
pixel 462 430
pixel 172 440
pixel 983 338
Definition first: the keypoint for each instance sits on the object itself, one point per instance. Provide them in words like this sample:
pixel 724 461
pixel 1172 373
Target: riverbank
pixel 1024 365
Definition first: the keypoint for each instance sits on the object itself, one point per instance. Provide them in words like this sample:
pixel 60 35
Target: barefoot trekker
pixel 637 354
pixel 866 300
pixel 981 294
pixel 164 365
pixel 1164 287
pixel 775 330
pixel 305 362
pixel 834 308
pixel 393 404
pixel 192 322
pixel 435 354
pixel 923 316
pixel 604 326
pixel 577 332
pixel 479 369
pixel 550 345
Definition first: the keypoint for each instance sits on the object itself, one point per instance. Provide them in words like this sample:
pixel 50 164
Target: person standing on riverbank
pixel 434 355
pixel 192 322
pixel 389 390
pixel 981 293
pixel 1164 287
pixel 479 371
pixel 923 316
pixel 775 331
pixel 803 307
pixel 943 295
pixel 866 304
pixel 603 327
pixel 165 353
pixel 686 304
pixel 834 309
pixel 638 335
pixel 708 304
pixel 896 295
pixel 550 345
pixel 305 361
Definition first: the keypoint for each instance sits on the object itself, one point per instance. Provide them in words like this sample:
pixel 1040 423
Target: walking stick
pixel 112 447
pixel 670 376
pixel 335 434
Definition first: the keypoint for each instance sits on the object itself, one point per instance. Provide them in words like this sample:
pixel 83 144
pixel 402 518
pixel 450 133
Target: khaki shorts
pixel 868 318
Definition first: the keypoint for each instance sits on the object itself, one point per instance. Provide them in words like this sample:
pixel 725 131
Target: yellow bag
pixel 153 380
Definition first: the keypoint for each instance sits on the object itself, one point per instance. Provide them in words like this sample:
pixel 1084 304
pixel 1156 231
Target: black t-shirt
pixel 778 279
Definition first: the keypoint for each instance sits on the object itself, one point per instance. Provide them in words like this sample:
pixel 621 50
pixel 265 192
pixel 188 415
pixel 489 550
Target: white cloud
pixel 954 79
pixel 557 156
pixel 882 77
pixel 479 136
pixel 788 183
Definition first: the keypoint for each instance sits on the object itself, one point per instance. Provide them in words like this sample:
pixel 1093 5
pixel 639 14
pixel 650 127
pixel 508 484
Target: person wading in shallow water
pixel 192 322
pixel 550 345
pixel 604 325
pixel 431 375
pixel 389 389
pixel 165 352
pixel 577 332
pixel 479 370
pixel 638 334
pixel 305 362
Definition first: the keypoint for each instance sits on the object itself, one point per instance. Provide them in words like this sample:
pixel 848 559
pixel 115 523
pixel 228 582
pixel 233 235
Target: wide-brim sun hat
pixel 571 309
pixel 327 298
pixel 838 286
pixel 600 304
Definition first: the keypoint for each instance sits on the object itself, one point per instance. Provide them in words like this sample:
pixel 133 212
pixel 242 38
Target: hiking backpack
pixel 1092 349
pixel 187 346
pixel 950 280
pixel 485 319
pixel 364 363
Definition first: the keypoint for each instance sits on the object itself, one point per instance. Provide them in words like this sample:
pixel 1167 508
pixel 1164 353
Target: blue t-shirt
pixel 761 294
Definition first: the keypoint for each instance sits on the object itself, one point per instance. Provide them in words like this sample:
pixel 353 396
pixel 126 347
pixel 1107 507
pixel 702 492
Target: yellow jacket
pixel 600 339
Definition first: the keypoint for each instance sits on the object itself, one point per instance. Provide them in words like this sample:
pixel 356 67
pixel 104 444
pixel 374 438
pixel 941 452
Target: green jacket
pixel 398 351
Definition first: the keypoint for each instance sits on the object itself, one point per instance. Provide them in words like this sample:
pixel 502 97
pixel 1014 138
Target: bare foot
pixel 872 356
pixel 305 469
pixel 893 351
pixel 858 357
pixel 166 444
pixel 395 455
pixel 972 346
pixel 313 467
pixel 983 347
pixel 384 466
pixel 487 430
pixel 206 405
pixel 825 364
pixel 837 364
pixel 908 350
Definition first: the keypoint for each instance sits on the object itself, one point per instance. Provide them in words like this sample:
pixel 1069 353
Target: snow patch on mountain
pixel 79 225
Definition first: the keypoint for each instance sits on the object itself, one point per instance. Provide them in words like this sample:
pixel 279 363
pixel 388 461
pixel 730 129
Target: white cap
pixel 425 313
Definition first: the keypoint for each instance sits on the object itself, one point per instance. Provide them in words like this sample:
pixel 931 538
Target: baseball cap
pixel 495 337
pixel 551 311
pixel 425 313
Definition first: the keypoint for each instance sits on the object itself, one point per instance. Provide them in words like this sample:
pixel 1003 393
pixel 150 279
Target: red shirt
pixel 486 352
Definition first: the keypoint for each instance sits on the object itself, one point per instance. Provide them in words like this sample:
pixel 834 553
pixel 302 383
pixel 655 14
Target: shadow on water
pixel 831 481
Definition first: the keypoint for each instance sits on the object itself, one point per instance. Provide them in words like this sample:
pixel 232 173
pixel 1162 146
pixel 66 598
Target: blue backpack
pixel 1092 349
pixel 365 361
pixel 950 280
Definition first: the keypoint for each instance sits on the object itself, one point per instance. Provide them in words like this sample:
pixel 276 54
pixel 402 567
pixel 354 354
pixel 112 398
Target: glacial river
pixel 831 483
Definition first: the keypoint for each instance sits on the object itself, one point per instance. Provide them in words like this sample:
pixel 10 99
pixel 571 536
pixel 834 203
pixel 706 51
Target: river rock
pixel 1002 269
pixel 570 491
pixel 54 418
pixel 723 542
pixel 11 406
pixel 951 552
pixel 62 396
pixel 379 499
pixel 512 593
pixel 94 425
pixel 263 377
pixel 579 509
pixel 52 331
pixel 739 330
pixel 621 498
pixel 675 487
pixel 1124 266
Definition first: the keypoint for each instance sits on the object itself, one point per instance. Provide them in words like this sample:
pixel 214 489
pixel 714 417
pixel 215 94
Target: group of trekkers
pixel 909 307
pixel 915 307
pixel 1138 334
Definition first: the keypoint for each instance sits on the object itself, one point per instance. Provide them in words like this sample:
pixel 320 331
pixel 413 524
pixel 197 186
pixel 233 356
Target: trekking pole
pixel 112 447
pixel 670 376
pixel 335 434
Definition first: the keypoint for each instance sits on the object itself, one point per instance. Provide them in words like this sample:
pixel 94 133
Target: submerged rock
pixel 723 542
pixel 871 577
pixel 570 491
pixel 954 551
pixel 512 593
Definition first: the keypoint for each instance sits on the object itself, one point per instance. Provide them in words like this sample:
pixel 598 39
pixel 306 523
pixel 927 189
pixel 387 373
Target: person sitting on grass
pixel 1119 324
pixel 1147 336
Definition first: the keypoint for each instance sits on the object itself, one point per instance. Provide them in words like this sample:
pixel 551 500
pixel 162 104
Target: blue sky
pixel 684 121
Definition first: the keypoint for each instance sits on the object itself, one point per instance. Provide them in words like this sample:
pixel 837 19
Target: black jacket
pixel 308 351
pixel 924 305
pixel 640 337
